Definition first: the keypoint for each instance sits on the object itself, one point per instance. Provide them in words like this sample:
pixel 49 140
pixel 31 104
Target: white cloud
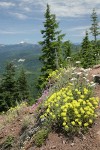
pixel 6 4
pixel 77 35
pixel 66 8
pixel 19 15
pixel 27 9
pixel 17 32
pixel 7 32
pixel 72 8
pixel 62 8
pixel 79 28
pixel 78 31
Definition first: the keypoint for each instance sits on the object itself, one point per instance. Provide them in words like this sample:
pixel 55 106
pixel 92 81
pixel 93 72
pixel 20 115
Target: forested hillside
pixel 22 55
pixel 26 56
pixel 29 53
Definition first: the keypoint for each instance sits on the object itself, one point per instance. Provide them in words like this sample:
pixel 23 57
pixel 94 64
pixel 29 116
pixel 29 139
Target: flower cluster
pixel 77 76
pixel 55 75
pixel 70 109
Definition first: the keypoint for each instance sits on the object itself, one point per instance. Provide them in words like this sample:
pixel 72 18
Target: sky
pixel 22 20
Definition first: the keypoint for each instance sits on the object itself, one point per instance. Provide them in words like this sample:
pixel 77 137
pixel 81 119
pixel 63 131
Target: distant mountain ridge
pixel 20 46
pixel 14 52
pixel 23 51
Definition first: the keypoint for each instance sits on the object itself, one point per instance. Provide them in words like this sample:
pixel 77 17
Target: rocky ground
pixel 55 141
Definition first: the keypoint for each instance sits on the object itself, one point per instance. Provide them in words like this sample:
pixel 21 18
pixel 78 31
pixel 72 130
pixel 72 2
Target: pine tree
pixel 85 44
pixel 22 86
pixel 3 105
pixel 66 49
pixel 87 53
pixel 51 48
pixel 95 29
pixel 8 88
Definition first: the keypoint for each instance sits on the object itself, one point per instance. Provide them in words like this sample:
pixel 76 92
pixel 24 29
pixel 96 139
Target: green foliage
pixel 87 53
pixel 31 65
pixel 96 51
pixel 66 49
pixel 23 86
pixel 40 137
pixel 26 122
pixel 8 88
pixel 66 53
pixel 51 46
pixel 11 89
pixel 90 50
pixel 8 142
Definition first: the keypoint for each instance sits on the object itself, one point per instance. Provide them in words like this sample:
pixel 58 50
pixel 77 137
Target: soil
pixel 57 141
pixel 89 141
pixel 12 128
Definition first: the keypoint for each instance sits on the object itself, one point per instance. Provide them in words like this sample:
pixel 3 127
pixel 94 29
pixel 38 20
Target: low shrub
pixel 8 142
pixel 40 137
pixel 70 109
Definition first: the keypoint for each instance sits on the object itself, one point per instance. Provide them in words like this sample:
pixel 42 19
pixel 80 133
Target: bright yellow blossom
pixel 86 124
pixel 64 123
pixel 73 123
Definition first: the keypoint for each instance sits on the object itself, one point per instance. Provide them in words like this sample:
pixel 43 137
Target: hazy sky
pixel 22 20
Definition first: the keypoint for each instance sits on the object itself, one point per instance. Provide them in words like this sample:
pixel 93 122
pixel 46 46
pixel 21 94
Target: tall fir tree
pixel 85 44
pixel 66 49
pixel 23 88
pixel 3 105
pixel 87 53
pixel 95 29
pixel 51 45
pixel 8 88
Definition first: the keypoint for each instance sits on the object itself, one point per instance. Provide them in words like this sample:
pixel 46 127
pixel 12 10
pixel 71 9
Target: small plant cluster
pixel 70 109
pixel 8 142
pixel 40 137
pixel 27 120
pixel 59 78
pixel 79 78
pixel 55 74
pixel 13 112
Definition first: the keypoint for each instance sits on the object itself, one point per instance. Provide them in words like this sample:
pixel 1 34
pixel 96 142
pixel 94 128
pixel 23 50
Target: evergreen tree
pixel 85 44
pixel 51 48
pixel 8 88
pixel 23 86
pixel 3 105
pixel 66 49
pixel 95 29
pixel 87 53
